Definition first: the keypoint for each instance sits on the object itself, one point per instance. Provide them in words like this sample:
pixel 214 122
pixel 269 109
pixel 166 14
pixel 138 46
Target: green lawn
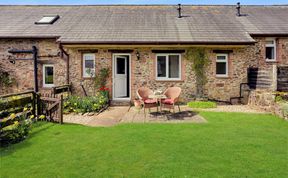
pixel 229 145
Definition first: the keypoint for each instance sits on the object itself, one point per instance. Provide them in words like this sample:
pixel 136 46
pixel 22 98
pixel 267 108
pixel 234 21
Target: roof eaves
pixel 269 34
pixel 29 37
pixel 159 43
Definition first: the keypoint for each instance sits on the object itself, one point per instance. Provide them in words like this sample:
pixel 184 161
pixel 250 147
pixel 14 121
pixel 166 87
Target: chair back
pixel 144 92
pixel 173 93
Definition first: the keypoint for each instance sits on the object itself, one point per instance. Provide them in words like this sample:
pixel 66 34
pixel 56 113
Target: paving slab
pixel 124 114
pixel 184 116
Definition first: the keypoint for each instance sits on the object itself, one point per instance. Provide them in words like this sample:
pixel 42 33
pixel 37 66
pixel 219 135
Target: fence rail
pixel 51 106
pixel 282 78
pixel 8 102
pixel 259 78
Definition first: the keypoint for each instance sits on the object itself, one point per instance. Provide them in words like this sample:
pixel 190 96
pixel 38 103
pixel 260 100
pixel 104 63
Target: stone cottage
pixel 142 45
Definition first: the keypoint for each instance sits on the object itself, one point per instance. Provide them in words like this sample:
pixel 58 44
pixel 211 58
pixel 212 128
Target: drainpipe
pixel 67 60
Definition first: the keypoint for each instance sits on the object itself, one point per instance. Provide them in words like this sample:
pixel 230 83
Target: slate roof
pixel 144 24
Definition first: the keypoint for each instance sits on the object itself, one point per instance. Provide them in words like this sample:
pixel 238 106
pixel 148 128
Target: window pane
pixel 269 52
pixel 89 64
pixel 49 75
pixel 173 66
pixel 89 56
pixel 120 66
pixel 221 68
pixel 220 58
pixel 161 66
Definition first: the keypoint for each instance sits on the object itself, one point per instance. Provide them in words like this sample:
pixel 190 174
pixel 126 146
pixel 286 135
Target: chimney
pixel 179 11
pixel 238 9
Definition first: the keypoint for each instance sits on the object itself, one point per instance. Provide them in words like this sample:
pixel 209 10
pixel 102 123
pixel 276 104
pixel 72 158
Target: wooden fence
pixel 282 78
pixel 263 79
pixel 15 102
pixel 50 105
pixel 259 78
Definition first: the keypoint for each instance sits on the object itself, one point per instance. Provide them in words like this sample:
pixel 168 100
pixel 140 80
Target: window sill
pixel 271 61
pixel 172 80
pixel 222 76
pixel 47 87
pixel 88 78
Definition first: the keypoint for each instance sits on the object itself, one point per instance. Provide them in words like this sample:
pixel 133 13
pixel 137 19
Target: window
pixel 48 75
pixel 270 50
pixel 168 67
pixel 88 65
pixel 222 65
pixel 49 19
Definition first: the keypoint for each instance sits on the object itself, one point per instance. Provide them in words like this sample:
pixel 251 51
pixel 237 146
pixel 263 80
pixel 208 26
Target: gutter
pixel 155 43
pixel 29 37
pixel 68 61
pixel 269 35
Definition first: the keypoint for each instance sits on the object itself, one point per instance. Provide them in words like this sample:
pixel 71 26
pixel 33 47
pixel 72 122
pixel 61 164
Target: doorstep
pixel 120 103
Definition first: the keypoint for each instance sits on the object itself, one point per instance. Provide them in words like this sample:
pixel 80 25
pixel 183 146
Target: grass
pixel 202 104
pixel 229 145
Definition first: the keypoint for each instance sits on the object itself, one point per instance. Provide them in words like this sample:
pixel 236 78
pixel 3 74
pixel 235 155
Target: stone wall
pixel 143 70
pixel 22 70
pixel 265 100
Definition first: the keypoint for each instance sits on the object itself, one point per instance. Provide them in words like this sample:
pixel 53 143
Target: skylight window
pixel 48 19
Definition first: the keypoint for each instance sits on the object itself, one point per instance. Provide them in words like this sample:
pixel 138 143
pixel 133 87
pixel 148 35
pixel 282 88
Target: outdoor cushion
pixel 150 101
pixel 168 101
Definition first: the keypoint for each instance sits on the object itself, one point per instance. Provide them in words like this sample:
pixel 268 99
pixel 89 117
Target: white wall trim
pixel 271 45
pixel 167 67
pixel 220 61
pixel 43 75
pixel 113 73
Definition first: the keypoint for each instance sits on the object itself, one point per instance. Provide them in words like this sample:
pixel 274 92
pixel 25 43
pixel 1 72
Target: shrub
pixel 17 130
pixel 86 104
pixel 281 96
pixel 202 104
pixel 285 109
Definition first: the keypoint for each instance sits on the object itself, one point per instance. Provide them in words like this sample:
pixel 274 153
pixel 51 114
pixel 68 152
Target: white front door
pixel 120 77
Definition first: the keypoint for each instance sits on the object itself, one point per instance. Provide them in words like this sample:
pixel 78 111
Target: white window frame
pixel 84 74
pixel 222 61
pixel 167 66
pixel 44 81
pixel 271 45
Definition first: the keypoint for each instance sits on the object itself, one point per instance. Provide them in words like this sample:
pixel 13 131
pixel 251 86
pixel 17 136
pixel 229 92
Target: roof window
pixel 48 19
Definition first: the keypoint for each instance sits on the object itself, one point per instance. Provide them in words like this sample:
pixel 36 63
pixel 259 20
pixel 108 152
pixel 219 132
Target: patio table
pixel 158 98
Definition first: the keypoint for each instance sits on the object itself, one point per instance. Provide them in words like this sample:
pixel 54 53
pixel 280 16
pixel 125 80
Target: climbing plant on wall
pixel 101 78
pixel 199 60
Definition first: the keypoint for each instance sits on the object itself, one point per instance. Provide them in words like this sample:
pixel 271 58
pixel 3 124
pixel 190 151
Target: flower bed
pixel 87 104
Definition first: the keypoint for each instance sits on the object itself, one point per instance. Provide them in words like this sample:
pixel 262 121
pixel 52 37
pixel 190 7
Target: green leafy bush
pixel 202 104
pixel 285 109
pixel 15 128
pixel 281 96
pixel 86 104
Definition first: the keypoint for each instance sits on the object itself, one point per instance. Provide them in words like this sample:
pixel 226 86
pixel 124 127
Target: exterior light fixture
pixel 11 59
pixel 138 55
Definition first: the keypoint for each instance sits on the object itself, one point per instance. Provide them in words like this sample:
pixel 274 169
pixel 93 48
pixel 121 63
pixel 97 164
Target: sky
pixel 95 2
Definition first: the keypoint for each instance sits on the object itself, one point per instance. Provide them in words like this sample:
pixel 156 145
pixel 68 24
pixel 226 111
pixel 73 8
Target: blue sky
pixel 73 2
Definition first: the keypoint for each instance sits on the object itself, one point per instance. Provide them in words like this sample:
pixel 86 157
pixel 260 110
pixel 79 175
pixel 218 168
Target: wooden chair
pixel 143 94
pixel 172 95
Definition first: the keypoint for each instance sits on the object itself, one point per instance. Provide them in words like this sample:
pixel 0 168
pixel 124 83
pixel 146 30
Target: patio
pixel 122 114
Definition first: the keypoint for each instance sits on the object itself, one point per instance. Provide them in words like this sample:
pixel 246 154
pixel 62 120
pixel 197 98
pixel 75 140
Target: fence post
pixel 34 98
pixel 274 77
pixel 61 109
pixel 38 95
